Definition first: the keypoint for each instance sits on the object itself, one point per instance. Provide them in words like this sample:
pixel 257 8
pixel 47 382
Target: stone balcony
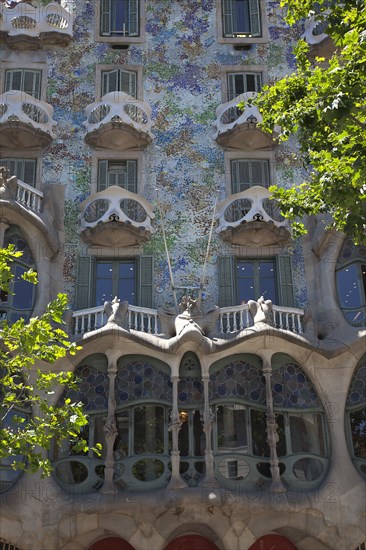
pixel 116 217
pixel 251 218
pixel 30 27
pixel 238 129
pixel 320 45
pixel 25 122
pixel 119 122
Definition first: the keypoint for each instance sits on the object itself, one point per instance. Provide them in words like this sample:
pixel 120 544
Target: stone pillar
pixel 272 435
pixel 110 429
pixel 208 419
pixel 176 482
pixel 4 225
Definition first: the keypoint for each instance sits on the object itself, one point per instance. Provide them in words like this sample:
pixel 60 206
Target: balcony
pixel 29 27
pixel 238 129
pixel 116 217
pixel 119 122
pixel 251 218
pixel 320 45
pixel 25 122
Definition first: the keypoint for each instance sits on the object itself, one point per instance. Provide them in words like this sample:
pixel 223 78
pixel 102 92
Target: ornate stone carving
pixel 261 311
pixel 117 312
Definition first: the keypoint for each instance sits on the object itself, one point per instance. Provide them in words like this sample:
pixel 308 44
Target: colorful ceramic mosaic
pixel 350 251
pixel 190 391
pixel 293 389
pixel 357 391
pixel 239 380
pixel 92 389
pixel 140 380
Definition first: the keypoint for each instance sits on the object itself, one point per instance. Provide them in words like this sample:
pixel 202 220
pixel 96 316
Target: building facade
pixel 223 363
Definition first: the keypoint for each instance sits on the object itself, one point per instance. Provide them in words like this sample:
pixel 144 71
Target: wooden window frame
pixel 123 40
pixel 241 40
pixel 252 156
pixel 100 69
pixel 116 155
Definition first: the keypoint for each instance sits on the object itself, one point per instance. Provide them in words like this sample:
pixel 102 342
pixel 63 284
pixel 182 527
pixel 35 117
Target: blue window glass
pixel 256 278
pixel 115 278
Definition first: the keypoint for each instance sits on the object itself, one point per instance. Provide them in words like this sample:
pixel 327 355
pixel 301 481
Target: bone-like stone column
pixel 272 435
pixel 208 419
pixel 176 482
pixel 110 428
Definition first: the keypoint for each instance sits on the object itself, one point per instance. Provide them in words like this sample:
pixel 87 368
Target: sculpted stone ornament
pixel 261 311
pixel 185 320
pixel 8 186
pixel 116 312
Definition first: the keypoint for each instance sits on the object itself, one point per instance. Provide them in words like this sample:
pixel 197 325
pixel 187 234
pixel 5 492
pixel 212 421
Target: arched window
pixel 351 282
pixel 77 471
pixel 356 417
pixel 238 392
pixel 19 302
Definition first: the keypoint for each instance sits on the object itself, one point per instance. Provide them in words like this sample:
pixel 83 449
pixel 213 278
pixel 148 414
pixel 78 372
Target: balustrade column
pixel 208 419
pixel 272 435
pixel 176 481
pixel 110 429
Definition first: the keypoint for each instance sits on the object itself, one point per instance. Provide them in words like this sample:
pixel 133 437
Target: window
pixel 119 18
pixel 351 283
pixel 241 18
pixel 99 280
pixel 117 172
pixel 241 280
pixel 247 173
pixel 239 83
pixel 118 80
pixel 18 303
pixel 24 169
pixel 25 80
pixel 356 417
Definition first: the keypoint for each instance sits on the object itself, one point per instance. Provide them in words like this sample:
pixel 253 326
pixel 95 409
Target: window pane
pixel 149 429
pixel 307 434
pixel 259 434
pixel 104 270
pixel 231 427
pixel 121 448
pixel 242 24
pixel 349 289
pixel 23 291
pixel 358 431
pixel 199 440
pixel 267 285
pixel 126 290
pixel 245 271
pixel 103 291
pixel 127 270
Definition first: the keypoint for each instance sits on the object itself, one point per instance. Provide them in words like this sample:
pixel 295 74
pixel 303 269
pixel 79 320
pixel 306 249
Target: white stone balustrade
pixel 29 196
pixel 234 318
pixel 118 113
pixel 139 318
pixel 118 205
pixel 286 318
pixel 250 205
pixel 18 107
pixel 36 22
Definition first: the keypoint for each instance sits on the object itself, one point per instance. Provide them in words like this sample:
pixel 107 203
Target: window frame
pixel 116 262
pixel 117 156
pixel 238 41
pixel 256 278
pixel 26 63
pixel 99 37
pixel 360 265
pixel 18 160
pixel 253 156
pixel 101 68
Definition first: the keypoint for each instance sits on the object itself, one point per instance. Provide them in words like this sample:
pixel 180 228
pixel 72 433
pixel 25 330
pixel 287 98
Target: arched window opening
pixel 273 542
pixel 191 542
pixel 191 437
pixel 351 282
pixel 111 543
pixel 85 472
pixel 238 393
pixel 356 417
pixel 18 303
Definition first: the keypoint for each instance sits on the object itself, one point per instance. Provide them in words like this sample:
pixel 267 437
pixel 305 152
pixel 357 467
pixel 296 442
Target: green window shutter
pixel 102 175
pixel 258 81
pixel 128 83
pixel 254 14
pixel 109 82
pixel 227 281
pixel 133 17
pixel 228 16
pixel 105 17
pixel 32 83
pixel 84 282
pixel 132 176
pixel 145 295
pixel 284 273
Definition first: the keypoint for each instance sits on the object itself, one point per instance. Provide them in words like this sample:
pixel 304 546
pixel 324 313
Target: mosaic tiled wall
pixel 182 78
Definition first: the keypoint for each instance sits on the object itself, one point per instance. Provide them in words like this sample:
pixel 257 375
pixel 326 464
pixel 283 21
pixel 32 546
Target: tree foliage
pixel 324 103
pixel 27 382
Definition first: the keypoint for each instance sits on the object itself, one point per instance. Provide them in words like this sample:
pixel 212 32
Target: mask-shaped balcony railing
pixel 250 217
pixel 27 26
pixel 25 122
pixel 116 216
pixel 320 43
pixel 238 129
pixel 118 121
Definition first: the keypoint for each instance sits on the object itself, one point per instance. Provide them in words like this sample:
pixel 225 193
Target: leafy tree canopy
pixel 28 421
pixel 324 103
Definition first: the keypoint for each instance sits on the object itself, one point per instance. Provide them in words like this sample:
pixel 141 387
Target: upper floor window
pixel 246 173
pixel 119 18
pixel 118 80
pixel 24 169
pixel 115 278
pixel 25 80
pixel 256 278
pixel 241 18
pixel 240 83
pixel 356 417
pixel 351 283
pixel 117 172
